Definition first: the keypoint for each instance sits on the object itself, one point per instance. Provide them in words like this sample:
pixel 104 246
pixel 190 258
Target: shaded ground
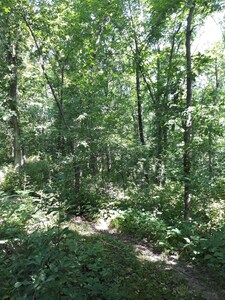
pixel 198 281
pixel 43 259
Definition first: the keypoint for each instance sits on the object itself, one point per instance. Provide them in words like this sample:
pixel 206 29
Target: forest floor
pixel 100 262
pixel 198 280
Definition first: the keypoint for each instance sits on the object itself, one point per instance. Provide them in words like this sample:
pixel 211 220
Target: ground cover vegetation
pixel 108 113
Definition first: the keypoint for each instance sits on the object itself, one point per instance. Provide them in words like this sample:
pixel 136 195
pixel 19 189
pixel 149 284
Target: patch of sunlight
pixel 82 227
pixel 106 217
pixel 215 211
pixel 102 224
pixel 1 176
pixel 41 221
pixel 145 254
pixel 172 260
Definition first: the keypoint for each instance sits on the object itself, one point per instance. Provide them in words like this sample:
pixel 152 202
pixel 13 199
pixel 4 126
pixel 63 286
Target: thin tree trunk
pixel 61 138
pixel 14 121
pixel 93 162
pixel 138 92
pixel 108 159
pixel 139 105
pixel 159 123
pixel 77 177
pixel 140 121
pixel 188 118
pixel 210 139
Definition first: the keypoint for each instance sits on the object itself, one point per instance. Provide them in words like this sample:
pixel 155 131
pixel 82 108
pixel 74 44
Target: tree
pixel 188 114
pixel 11 37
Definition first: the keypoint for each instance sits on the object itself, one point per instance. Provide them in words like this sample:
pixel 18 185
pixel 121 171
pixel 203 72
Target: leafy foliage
pixel 105 108
pixel 60 262
pixel 140 223
pixel 15 212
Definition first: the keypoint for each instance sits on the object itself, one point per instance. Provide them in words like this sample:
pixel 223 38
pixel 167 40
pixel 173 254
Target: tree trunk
pixel 108 159
pixel 159 147
pixel 138 92
pixel 77 177
pixel 210 136
pixel 14 121
pixel 139 105
pixel 187 125
pixel 93 163
pixel 160 111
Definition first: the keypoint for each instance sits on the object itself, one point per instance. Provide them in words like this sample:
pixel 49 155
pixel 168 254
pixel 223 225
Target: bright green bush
pixel 165 199
pixel 141 223
pixel 15 212
pixel 215 212
pixel 13 180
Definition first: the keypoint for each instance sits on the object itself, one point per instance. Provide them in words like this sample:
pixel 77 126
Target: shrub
pixel 142 224
pixel 212 253
pixel 13 180
pixel 15 212
pixel 36 172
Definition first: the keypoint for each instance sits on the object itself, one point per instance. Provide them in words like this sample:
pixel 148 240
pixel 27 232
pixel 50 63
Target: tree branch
pixel 57 101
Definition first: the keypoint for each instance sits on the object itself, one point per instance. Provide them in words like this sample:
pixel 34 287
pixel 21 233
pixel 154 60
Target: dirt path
pixel 197 280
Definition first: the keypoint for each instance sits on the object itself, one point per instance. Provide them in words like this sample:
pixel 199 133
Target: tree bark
pixel 14 121
pixel 139 105
pixel 138 92
pixel 187 125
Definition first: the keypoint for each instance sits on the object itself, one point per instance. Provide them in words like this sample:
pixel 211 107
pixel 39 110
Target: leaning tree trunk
pixel 187 125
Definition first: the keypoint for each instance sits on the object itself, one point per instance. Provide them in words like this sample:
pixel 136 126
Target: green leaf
pixel 187 240
pixel 208 256
pixel 6 9
pixel 18 284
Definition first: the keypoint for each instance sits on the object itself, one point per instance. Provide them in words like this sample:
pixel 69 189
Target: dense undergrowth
pixel 41 258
